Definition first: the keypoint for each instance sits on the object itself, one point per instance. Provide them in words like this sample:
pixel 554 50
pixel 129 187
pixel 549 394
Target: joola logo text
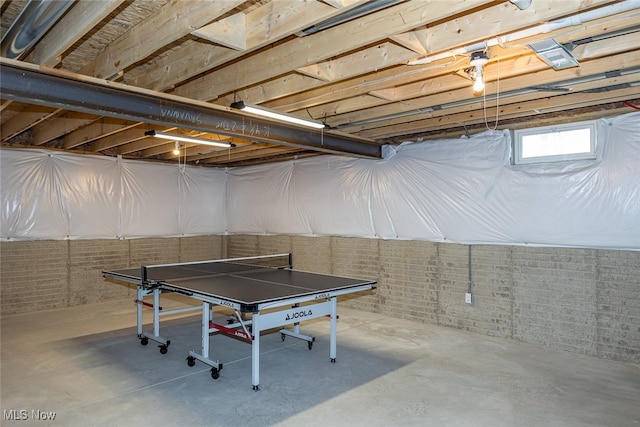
pixel 298 314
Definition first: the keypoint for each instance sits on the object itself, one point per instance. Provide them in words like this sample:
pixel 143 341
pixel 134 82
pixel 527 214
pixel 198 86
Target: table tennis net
pixel 168 272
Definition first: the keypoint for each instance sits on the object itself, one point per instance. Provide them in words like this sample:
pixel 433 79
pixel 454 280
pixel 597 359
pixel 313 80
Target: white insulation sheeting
pixel 463 191
pixel 55 195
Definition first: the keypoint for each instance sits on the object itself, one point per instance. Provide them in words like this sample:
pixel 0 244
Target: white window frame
pixel 518 136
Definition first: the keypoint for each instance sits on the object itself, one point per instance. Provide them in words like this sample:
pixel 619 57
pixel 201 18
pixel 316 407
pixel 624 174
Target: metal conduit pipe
pixel 357 12
pixel 521 4
pixel 558 24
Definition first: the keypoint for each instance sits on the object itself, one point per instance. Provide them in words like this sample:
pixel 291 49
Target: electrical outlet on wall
pixel 467 298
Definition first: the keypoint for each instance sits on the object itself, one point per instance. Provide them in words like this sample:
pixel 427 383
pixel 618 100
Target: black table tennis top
pixel 242 284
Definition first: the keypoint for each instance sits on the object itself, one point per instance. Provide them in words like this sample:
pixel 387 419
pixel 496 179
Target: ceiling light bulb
pixel 176 150
pixel 478 60
pixel 478 84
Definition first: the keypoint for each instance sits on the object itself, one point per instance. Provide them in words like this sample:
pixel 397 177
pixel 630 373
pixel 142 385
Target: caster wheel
pixel 191 361
pixel 163 349
pixel 215 373
pixel 144 341
pixel 282 336
pixel 256 388
pixel 310 345
pixel 333 360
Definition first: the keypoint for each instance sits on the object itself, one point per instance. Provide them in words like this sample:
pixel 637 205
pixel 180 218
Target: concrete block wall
pixel 618 305
pixel 580 300
pixel 584 301
pixel 36 275
pixel 410 277
pixel 555 297
pixel 491 310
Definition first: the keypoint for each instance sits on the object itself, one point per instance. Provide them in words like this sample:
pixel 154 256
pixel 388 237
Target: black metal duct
pixel 33 22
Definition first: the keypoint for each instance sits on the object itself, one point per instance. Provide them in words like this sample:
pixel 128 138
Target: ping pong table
pixel 264 292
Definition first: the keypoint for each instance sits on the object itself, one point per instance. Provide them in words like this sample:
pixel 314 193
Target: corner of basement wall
pixel 584 301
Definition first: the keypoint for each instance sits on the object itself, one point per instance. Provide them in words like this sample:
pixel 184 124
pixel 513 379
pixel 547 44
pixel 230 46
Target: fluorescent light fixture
pixel 554 54
pixel 183 138
pixel 240 105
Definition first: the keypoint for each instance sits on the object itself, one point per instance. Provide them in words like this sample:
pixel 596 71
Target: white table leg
pixel 255 352
pixel 334 324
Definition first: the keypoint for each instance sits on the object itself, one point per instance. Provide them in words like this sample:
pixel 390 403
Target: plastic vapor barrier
pixel 55 195
pixel 460 190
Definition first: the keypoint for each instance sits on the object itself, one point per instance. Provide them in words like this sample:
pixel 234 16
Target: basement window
pixel 556 143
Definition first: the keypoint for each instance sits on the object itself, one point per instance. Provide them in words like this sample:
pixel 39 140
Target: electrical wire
pixel 629 104
pixel 182 167
pixel 484 100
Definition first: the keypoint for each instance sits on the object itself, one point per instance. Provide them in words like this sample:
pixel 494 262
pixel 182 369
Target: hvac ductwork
pixel 34 21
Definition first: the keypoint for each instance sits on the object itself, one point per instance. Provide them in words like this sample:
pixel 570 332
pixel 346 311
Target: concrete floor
pixel 86 365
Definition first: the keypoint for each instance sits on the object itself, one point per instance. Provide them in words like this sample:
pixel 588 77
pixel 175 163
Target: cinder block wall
pixel 42 274
pixel 580 300
pixel 584 301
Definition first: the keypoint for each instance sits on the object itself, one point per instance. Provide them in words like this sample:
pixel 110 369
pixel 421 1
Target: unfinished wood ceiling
pixel 382 72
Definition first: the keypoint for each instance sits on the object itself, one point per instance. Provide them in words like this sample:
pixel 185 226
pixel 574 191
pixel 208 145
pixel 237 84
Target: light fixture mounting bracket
pixel 479 58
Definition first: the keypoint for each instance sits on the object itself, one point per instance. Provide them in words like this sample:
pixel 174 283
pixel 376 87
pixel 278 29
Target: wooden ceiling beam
pixel 361 62
pixel 345 106
pixel 65 123
pixel 117 140
pixel 197 58
pixel 568 116
pixel 478 118
pixel 539 78
pixel 5 104
pixel 230 32
pixel 524 105
pixel 173 21
pixel 289 84
pixel 606 47
pixel 298 52
pixel 231 156
pixel 501 19
pixel 75 24
pixel 271 21
pixel 28 118
pixel 403 75
pixel 101 128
